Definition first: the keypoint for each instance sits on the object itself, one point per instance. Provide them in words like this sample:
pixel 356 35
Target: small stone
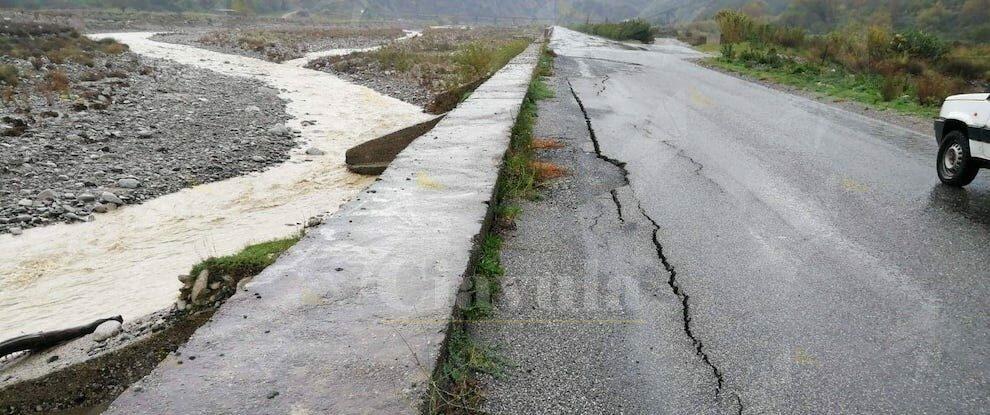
pixel 258 159
pixel 280 131
pixel 52 359
pixel 107 331
pixel 145 134
pixel 185 279
pixel 200 286
pixel 215 286
pixel 108 197
pixel 101 208
pixel 86 197
pixel 16 231
pixel 128 183
pixel 313 151
pixel 252 108
pixel 272 395
pixel 25 202
pixel 46 195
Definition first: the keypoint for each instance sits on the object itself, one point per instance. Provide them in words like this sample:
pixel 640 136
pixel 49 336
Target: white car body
pixel 969 113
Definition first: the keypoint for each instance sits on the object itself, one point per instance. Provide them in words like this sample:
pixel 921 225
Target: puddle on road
pixel 126 262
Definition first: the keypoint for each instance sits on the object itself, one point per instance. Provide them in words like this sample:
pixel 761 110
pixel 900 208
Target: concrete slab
pixel 352 319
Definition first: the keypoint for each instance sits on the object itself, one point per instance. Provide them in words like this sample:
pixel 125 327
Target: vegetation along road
pixel 747 250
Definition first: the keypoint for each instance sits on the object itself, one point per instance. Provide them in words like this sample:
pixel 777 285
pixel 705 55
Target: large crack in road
pixel 672 281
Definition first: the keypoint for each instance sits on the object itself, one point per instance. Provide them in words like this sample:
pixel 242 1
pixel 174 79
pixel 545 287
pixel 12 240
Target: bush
pixel 788 37
pixel 877 43
pixel 475 60
pixel 967 62
pixel 932 88
pixel 628 30
pixel 9 75
pixel 734 26
pixel 728 51
pixel 919 44
pixel 892 87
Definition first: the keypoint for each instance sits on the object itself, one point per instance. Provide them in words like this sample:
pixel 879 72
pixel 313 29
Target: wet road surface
pixel 815 262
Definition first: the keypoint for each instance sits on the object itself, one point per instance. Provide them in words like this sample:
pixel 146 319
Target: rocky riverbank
pixel 80 138
pixel 278 44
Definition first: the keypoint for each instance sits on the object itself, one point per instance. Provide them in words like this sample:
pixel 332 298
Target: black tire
pixel 964 169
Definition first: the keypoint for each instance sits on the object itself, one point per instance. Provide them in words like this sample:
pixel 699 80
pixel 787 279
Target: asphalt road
pixel 819 265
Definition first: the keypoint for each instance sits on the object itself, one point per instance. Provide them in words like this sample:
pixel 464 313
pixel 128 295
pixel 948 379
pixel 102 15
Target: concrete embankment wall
pixel 353 318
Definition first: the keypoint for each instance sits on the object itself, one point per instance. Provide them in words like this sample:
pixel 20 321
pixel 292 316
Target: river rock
pixel 128 183
pixel 86 197
pixel 313 151
pixel 25 202
pixel 199 288
pixel 46 195
pixel 185 279
pixel 280 131
pixel 107 331
pixel 15 231
pixel 108 197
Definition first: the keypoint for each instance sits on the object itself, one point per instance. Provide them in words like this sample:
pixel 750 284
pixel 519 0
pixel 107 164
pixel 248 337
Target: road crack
pixel 618 204
pixel 594 137
pixel 672 281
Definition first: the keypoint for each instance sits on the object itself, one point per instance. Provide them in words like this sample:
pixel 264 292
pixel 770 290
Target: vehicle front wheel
pixel 955 167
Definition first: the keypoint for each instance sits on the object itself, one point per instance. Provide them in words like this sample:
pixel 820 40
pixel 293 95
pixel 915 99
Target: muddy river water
pixel 126 262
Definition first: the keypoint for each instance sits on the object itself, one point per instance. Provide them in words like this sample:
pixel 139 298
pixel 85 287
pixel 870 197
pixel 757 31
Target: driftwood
pixel 48 339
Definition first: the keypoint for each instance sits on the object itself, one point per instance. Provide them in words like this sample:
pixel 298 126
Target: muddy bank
pixel 88 373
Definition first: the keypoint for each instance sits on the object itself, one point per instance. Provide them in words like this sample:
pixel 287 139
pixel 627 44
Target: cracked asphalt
pixel 722 247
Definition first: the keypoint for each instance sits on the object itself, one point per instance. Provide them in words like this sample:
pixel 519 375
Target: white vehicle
pixel 963 136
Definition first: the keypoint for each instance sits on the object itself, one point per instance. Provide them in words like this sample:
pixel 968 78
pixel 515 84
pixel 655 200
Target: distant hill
pixel 968 19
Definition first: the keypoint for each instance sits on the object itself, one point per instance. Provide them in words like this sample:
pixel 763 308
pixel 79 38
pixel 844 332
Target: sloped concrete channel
pixel 353 318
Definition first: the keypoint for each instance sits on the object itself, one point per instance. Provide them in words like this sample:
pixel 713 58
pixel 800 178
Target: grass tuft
pixel 249 262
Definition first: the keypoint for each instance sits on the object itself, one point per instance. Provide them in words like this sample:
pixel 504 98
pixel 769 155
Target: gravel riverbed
pixel 140 129
pixel 280 43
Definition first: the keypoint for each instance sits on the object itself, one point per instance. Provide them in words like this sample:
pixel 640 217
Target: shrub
pixel 931 88
pixel 877 43
pixel 628 30
pixel 9 75
pixel 789 37
pixel 919 44
pixel 967 62
pixel 892 87
pixel 728 51
pixel 475 60
pixel 735 26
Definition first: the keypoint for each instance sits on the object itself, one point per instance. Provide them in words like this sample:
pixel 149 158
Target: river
pixel 126 261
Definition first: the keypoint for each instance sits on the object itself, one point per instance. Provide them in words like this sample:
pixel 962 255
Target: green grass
pixel 708 48
pixel 249 262
pixel 829 81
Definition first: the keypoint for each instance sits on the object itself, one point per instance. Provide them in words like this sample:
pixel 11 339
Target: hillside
pixel 953 19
